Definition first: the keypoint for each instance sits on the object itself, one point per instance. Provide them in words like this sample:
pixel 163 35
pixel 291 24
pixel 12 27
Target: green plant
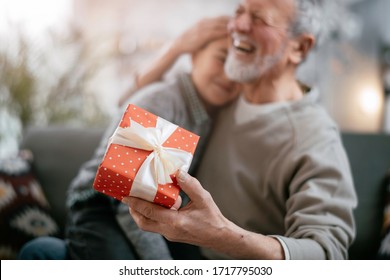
pixel 48 83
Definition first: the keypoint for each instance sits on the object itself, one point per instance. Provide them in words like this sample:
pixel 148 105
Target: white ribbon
pixel 160 164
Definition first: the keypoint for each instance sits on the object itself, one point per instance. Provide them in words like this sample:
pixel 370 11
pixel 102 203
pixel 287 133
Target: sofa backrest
pixel 369 156
pixel 58 154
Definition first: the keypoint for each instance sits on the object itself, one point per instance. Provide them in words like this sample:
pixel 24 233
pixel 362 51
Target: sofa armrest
pixel 369 156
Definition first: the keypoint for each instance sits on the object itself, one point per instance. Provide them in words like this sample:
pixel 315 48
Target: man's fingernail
pixel 126 200
pixel 182 176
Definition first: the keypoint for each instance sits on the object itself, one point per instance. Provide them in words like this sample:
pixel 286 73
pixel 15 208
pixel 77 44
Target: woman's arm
pixel 191 40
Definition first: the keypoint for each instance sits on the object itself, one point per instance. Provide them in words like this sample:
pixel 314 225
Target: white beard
pixel 242 72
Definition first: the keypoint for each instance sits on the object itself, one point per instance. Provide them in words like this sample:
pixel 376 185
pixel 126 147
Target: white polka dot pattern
pixel 120 164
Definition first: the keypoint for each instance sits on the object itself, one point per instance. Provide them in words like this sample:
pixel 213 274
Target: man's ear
pixel 300 47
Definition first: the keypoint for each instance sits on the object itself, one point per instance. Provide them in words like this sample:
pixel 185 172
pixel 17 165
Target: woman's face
pixel 209 77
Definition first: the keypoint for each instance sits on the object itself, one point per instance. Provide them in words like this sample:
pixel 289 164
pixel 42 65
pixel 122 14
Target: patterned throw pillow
pixel 24 210
pixel 384 250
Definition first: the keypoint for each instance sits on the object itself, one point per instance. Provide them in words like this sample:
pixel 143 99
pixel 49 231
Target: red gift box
pixel 142 157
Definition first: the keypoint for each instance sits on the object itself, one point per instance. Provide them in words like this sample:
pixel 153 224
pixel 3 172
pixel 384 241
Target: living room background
pixel 69 61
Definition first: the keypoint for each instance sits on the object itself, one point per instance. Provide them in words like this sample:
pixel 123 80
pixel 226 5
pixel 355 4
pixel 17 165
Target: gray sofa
pixel 60 151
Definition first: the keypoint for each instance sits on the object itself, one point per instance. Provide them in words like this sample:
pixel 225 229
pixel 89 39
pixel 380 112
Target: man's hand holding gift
pixel 200 215
pixel 201 223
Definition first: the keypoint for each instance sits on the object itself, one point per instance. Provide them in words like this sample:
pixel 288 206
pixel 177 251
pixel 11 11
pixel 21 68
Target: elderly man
pixel 276 179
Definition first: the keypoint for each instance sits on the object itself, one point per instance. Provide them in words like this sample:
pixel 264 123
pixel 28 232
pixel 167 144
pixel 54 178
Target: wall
pixel 350 71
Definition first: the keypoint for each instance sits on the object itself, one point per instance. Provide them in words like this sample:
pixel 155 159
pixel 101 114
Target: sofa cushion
pixel 24 209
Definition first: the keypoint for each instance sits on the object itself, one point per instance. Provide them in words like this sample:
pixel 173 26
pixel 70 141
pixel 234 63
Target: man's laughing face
pixel 258 38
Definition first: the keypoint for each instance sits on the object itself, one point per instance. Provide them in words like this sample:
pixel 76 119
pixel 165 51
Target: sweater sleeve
pixel 319 219
pixel 80 188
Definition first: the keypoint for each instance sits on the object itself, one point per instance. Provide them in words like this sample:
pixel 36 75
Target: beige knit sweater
pixel 282 170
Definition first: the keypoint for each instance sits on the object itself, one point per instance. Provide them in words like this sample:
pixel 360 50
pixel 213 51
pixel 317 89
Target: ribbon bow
pixel 160 164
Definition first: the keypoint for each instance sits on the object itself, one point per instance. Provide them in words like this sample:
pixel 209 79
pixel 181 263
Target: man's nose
pixel 241 23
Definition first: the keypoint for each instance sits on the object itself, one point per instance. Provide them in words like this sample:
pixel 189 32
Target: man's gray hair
pixel 324 18
pixel 307 18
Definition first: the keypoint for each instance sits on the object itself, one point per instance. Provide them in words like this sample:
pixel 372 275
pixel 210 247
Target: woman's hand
pixel 199 35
